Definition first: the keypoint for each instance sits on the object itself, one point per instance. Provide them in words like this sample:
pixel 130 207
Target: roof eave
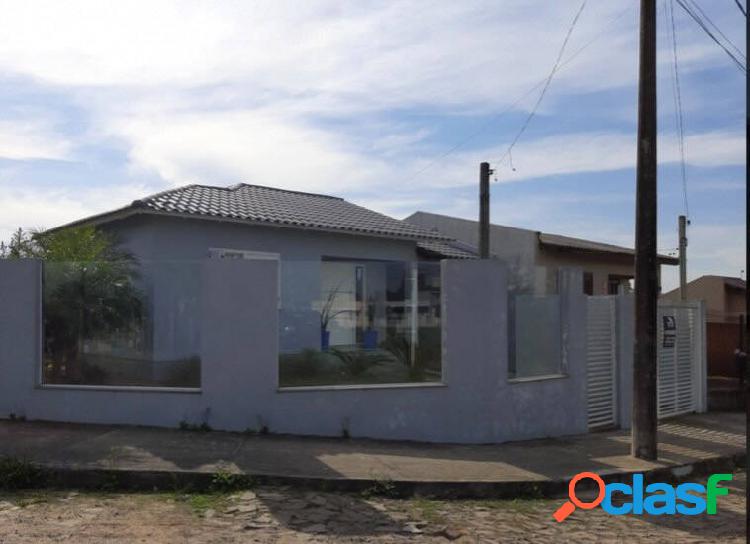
pixel 662 259
pixel 139 208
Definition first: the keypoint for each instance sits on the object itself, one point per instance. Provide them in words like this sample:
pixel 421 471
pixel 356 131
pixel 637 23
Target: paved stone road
pixel 279 515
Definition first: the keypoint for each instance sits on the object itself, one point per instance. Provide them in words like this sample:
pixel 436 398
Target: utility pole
pixel 484 210
pixel 683 256
pixel 747 277
pixel 646 281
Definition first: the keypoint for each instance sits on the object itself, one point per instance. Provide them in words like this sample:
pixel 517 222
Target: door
pixel 601 362
pixel 342 293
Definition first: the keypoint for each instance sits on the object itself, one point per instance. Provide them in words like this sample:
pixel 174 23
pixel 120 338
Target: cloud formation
pixel 360 99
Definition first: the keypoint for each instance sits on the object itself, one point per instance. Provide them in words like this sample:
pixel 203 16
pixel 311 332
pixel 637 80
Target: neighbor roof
pixel 567 242
pixel 438 221
pixel 448 250
pixel 267 205
pixel 728 281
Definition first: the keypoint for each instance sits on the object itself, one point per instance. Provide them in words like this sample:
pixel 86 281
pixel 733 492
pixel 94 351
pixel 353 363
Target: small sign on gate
pixel 669 331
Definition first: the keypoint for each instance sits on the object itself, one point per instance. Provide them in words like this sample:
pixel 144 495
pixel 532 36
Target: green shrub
pixel 19 474
pixel 223 481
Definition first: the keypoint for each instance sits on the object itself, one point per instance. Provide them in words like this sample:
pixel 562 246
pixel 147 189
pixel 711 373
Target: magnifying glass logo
pixel 569 506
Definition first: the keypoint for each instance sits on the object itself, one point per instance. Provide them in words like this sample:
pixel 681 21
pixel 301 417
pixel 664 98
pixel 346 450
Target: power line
pixel 741 7
pixel 710 23
pixel 677 95
pixel 708 31
pixel 546 85
pixel 520 99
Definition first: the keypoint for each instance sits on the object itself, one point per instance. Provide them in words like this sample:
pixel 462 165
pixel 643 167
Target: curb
pixel 150 480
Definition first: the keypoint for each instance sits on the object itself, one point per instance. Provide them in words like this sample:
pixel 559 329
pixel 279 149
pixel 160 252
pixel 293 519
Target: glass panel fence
pixel 122 323
pixel 359 322
pixel 535 325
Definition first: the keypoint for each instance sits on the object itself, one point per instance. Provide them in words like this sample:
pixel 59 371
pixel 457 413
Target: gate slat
pixel 601 361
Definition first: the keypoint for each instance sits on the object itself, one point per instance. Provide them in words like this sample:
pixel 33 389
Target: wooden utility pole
pixel 682 230
pixel 646 279
pixel 484 210
pixel 747 280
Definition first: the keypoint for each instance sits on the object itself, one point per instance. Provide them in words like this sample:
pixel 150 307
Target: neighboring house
pixel 539 255
pixel 724 297
pixel 725 303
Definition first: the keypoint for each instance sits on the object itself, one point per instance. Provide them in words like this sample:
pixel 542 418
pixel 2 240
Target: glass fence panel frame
pixel 359 322
pixel 121 324
pixel 536 346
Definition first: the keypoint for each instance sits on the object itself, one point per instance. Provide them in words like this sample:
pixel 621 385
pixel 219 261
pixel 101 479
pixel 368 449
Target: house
pixel 724 298
pixel 249 307
pixel 534 254
pixel 348 276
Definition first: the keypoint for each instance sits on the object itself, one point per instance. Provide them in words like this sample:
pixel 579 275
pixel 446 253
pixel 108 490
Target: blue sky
pixel 103 103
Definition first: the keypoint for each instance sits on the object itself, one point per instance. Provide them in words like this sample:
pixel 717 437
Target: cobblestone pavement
pixel 281 515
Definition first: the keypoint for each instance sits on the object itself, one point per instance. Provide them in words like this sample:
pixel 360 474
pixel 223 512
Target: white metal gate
pixel 681 355
pixel 601 361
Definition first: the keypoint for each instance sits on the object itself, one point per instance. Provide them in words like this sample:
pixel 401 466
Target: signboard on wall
pixel 669 331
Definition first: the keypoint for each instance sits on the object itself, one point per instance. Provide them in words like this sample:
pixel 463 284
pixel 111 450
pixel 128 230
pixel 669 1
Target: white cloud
pixel 29 207
pixel 325 54
pixel 251 146
pixel 22 140
pixel 235 91
pixel 605 151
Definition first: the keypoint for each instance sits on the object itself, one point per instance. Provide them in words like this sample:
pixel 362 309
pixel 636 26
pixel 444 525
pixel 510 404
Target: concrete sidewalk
pixel 147 457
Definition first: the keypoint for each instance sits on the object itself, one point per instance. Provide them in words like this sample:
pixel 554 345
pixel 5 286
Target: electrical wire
pixel 708 31
pixel 484 127
pixel 547 83
pixel 710 23
pixel 741 7
pixel 677 95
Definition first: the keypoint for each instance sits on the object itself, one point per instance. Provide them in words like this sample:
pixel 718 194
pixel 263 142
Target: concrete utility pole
pixel 646 278
pixel 683 256
pixel 484 210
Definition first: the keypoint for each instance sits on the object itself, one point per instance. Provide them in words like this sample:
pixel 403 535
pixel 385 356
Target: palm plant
pixel 89 292
pixel 358 362
pixel 413 358
pixel 327 314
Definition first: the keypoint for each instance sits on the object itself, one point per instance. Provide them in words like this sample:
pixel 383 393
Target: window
pixel 616 283
pixel 588 283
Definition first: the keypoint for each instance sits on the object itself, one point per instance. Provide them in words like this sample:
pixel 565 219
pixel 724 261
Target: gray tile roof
pixel 259 204
pixel 448 250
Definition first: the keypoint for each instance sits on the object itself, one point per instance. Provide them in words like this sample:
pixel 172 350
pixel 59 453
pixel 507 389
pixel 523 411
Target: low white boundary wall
pixel 475 404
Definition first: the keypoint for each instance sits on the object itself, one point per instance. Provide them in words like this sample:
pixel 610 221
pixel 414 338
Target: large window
pixel 121 324
pixel 359 322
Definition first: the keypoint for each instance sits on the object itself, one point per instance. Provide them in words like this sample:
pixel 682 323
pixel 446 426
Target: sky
pixel 391 105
